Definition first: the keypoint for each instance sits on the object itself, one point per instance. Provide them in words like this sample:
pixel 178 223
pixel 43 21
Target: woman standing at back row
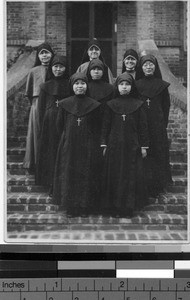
pixel 130 62
pixel 94 51
pixel 36 76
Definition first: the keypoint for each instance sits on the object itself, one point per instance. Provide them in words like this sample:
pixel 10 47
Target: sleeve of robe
pixel 166 105
pixel 106 125
pixel 29 86
pixel 41 106
pixel 143 128
pixel 60 121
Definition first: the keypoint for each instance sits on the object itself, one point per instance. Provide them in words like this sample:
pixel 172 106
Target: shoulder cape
pixel 79 106
pixel 124 105
pixel 99 89
pixel 58 88
pixel 151 87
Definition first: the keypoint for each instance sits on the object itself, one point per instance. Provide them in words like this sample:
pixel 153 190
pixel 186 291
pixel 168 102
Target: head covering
pixel 148 57
pixel 129 78
pixel 92 42
pixel 129 52
pixel 44 46
pixel 124 77
pixel 57 59
pixel 96 63
pixel 77 76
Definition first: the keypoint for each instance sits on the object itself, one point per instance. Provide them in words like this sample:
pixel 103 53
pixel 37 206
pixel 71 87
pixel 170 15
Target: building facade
pixel 119 25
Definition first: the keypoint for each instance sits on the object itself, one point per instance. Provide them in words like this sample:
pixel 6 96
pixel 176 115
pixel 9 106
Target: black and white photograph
pixel 96 122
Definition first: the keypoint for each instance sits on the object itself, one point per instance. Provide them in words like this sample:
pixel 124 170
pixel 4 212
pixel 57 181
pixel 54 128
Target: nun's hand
pixel 143 152
pixel 104 147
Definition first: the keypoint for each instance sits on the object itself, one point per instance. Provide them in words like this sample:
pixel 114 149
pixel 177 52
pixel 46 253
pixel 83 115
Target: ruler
pixel 94 289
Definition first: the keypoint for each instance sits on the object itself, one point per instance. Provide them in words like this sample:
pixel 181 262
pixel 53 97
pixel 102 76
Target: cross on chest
pixel 79 121
pixel 123 116
pixel 148 102
pixel 57 103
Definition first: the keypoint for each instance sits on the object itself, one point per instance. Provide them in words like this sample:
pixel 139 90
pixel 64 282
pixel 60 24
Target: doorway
pixel 87 20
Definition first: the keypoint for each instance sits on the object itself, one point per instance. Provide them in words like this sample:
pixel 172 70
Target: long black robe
pixel 77 179
pixel 124 132
pixel 51 92
pixel 102 92
pixel 155 95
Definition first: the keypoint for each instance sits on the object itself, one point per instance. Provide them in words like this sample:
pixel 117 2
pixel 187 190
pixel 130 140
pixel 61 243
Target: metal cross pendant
pixel 148 102
pixel 78 121
pixel 57 103
pixel 123 117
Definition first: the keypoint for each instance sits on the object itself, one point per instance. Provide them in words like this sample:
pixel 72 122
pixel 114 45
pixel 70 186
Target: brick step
pixel 50 221
pixel 178 146
pixel 31 208
pixel 28 198
pixel 16 141
pixel 26 189
pixel 178 169
pixel 20 172
pixel 20 180
pixel 16 151
pixel 29 233
pixel 15 158
pixel 169 198
pixel 177 155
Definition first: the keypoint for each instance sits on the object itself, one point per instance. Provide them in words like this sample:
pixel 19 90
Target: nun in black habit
pixel 55 89
pixel 99 89
pixel 124 141
pixel 154 93
pixel 77 178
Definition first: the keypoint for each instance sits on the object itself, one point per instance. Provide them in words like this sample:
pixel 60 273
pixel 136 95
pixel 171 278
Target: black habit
pixel 155 95
pixel 77 178
pixel 51 92
pixel 124 132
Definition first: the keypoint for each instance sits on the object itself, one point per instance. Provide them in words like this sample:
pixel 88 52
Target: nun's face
pixel 79 87
pixel 93 52
pixel 124 88
pixel 148 68
pixel 96 73
pixel 130 63
pixel 58 70
pixel 44 56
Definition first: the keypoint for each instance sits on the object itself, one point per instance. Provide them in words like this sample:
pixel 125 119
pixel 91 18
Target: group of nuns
pixel 100 145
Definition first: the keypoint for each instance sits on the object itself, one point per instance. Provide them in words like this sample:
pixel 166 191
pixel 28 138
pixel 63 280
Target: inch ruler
pixel 94 289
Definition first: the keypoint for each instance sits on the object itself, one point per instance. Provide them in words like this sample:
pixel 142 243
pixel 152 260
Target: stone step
pixel 58 220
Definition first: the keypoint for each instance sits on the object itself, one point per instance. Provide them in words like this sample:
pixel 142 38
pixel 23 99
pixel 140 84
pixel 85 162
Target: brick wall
pixel 167 20
pixel 145 20
pixel 126 30
pixel 25 21
pixel 56 26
